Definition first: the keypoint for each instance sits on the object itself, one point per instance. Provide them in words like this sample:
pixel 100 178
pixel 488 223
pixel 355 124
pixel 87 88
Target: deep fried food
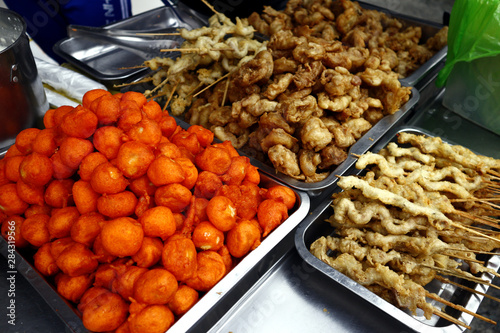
pixel 156 286
pixel 122 236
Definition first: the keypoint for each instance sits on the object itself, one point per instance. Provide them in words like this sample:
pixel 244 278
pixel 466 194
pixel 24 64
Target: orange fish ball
pixel 25 138
pixel 37 209
pixel 179 257
pixel 106 108
pixel 77 259
pixel 135 96
pixel 237 171
pixel 188 141
pixel 34 229
pixel 122 236
pixel 102 255
pixel 207 237
pixel 271 213
pixel 36 169
pixel 11 230
pixel 168 125
pixel 153 110
pixel 117 205
pixel 205 136
pixel 134 158
pixel 190 172
pixel 156 286
pixel 89 163
pixel 59 114
pixel 91 95
pixel 252 176
pixel 164 170
pixel 184 299
pixel 84 197
pixel 124 283
pixel 61 221
pixel 73 151
pixel 213 159
pixel 59 245
pixel 174 196
pixel 33 195
pixel 154 318
pixel 45 142
pixel 108 140
pixel 150 252
pixel 131 114
pixel 3 178
pixel 59 169
pixel 105 312
pixel 211 269
pixel 228 146
pixel 48 118
pixel 144 203
pixel 226 257
pixel 158 222
pixel 107 178
pixel 79 122
pixel 59 193
pixel 142 186
pixel 12 167
pixel 283 194
pixel 168 149
pixel 146 131
pixel 72 288
pixel 10 202
pixel 86 228
pixel 221 211
pixel 245 236
pixel 44 261
pixel 13 151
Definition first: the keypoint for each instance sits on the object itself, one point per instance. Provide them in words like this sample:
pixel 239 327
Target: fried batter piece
pixel 410 218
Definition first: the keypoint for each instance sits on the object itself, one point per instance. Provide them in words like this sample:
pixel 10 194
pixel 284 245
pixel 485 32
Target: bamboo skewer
pixel 463 276
pixel 225 93
pixel 210 6
pixel 158 34
pixel 194 50
pixel 445 280
pixel 213 83
pixel 451 319
pixel 171 96
pixel 477 219
pixel 147 79
pixel 458 307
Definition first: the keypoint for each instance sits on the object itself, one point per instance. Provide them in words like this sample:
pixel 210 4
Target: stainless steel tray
pixel 360 147
pixel 113 64
pixel 70 316
pixel 314 226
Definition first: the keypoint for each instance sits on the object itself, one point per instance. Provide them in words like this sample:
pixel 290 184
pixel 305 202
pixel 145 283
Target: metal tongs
pixel 147 44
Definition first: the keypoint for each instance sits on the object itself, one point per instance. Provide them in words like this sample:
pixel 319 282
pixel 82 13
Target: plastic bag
pixel 474 32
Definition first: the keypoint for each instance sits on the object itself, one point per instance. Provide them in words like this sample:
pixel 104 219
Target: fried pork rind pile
pixel 418 213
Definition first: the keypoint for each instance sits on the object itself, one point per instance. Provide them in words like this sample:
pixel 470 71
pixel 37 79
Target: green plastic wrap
pixel 474 32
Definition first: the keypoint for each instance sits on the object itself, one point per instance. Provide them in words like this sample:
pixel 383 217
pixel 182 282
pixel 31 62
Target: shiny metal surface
pixel 111 58
pixel 21 91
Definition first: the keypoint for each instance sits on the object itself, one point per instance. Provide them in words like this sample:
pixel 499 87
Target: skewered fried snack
pixel 416 212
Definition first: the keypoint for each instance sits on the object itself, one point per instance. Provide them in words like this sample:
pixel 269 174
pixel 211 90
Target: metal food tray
pixel 314 226
pixel 113 64
pixel 360 147
pixel 429 29
pixel 70 316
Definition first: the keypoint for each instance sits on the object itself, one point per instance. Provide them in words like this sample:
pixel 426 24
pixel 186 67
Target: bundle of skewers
pixel 207 56
pixel 421 210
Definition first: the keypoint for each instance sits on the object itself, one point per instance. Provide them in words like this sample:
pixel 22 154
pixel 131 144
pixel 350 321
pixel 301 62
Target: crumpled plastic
pixel 66 87
pixel 474 32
